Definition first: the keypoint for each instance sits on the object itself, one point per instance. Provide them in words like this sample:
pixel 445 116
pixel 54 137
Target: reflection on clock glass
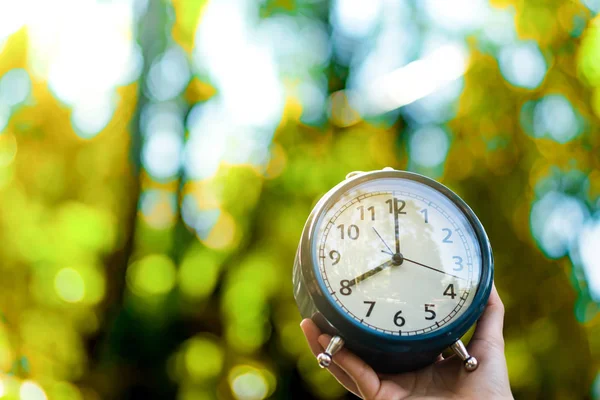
pixel 397 256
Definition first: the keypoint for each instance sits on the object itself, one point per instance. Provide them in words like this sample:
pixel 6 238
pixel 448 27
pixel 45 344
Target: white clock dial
pixel 398 257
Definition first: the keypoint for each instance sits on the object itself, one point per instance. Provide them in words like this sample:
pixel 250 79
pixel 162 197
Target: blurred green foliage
pixel 147 244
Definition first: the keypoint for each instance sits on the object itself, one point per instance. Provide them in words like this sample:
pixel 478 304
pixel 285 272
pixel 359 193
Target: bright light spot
pixel 499 28
pixel 243 70
pixel 161 155
pixel 299 43
pixel 92 115
pixel 31 391
pixel 209 129
pixel 203 359
pixel 151 276
pixel 312 96
pixel 2 389
pixel 161 117
pixel 457 15
pixel 198 274
pixel 523 65
pixel 168 75
pixel 356 18
pixel 394 44
pixel 84 54
pixel 12 17
pixel 428 146
pixel 554 116
pixel 417 79
pixel 251 147
pixel 227 22
pixel 203 155
pixel 202 221
pixel 589 240
pixel 69 285
pixel 394 47
pixel 253 95
pixel 248 383
pixel 15 86
pixel 556 221
pixel 159 208
pixel 438 107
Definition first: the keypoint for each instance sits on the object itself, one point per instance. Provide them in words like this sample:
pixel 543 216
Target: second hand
pixel 434 269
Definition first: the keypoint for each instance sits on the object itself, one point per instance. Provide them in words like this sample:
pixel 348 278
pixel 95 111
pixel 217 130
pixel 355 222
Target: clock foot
pixel 469 361
pixel 335 344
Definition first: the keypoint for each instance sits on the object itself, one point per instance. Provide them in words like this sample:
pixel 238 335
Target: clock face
pixel 397 256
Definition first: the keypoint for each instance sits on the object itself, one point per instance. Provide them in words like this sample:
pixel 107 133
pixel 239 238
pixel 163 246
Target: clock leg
pixel 335 344
pixel 470 362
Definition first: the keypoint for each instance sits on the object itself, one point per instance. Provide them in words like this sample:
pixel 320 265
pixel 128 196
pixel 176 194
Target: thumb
pixel 488 333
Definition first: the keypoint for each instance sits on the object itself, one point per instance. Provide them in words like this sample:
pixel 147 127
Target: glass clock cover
pixel 397 257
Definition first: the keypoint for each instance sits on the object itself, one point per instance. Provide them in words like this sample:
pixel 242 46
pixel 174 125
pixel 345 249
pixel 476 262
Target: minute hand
pixel 370 273
pixel 434 269
pixel 396 225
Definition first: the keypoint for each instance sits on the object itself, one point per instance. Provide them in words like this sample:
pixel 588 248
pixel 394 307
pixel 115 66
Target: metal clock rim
pixel 353 331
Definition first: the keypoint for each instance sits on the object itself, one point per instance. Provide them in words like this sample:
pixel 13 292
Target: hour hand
pixel 371 272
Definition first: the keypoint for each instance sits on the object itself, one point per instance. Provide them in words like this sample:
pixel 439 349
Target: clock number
pixel 448 234
pixel 398 319
pixel 428 310
pixel 450 291
pixel 424 212
pixel 346 289
pixel 353 231
pixel 398 206
pixel 458 261
pixel 335 256
pixel 362 212
pixel 371 306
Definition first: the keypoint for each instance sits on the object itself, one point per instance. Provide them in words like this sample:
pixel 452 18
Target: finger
pixel 489 327
pixel 312 332
pixel 343 378
pixel 366 379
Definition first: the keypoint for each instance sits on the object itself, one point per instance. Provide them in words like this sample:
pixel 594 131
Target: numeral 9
pixel 335 256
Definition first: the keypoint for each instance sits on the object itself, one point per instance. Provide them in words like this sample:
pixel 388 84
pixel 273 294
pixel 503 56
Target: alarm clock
pixel 395 267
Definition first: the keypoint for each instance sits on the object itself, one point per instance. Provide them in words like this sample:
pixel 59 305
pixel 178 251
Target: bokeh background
pixel 158 160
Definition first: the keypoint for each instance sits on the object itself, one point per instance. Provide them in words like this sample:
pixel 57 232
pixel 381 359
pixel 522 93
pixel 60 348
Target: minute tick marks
pixel 400 275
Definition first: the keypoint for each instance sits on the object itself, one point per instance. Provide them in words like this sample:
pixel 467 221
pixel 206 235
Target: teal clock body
pixel 397 266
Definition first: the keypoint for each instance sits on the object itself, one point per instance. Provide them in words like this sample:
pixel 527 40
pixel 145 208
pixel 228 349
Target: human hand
pixel 446 378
